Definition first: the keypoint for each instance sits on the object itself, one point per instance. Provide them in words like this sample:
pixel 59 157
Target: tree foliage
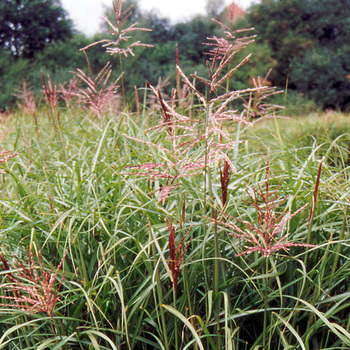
pixel 309 41
pixel 305 42
pixel 323 71
pixel 327 21
pixel 27 26
pixel 279 25
pixel 323 75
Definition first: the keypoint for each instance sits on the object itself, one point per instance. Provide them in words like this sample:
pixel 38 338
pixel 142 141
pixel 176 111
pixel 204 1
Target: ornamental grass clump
pixel 177 162
pixel 51 96
pixel 269 234
pixel 198 147
pixel 32 286
pixel 216 113
pixel 121 45
pixel 167 248
pixel 256 104
pixel 68 93
pixel 27 102
pixel 97 92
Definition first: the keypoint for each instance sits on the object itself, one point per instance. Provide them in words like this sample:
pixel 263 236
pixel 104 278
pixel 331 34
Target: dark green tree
pixel 309 41
pixel 26 26
pixel 328 21
pixel 279 25
pixel 190 37
pixel 160 27
pixel 323 70
pixel 323 74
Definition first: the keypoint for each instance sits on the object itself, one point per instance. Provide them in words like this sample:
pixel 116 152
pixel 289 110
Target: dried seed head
pixel 38 294
pixel 122 34
pixel 176 251
pixel 96 94
pixel 269 234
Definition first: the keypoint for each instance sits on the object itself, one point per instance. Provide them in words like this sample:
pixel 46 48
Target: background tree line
pixel 305 42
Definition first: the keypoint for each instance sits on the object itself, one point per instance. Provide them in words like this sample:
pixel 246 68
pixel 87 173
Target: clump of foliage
pixel 27 26
pixel 308 40
pixel 183 224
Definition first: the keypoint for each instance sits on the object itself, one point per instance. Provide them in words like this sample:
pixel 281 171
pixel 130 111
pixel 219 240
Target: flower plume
pixel 269 234
pixel 33 290
pixel 121 34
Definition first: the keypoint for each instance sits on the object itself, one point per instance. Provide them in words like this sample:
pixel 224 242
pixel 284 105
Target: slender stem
pixel 175 321
pixel 313 208
pixel 123 87
pixel 265 302
pixel 160 295
pixel 57 326
pixel 190 303
pixel 216 261
pixel 159 292
pixel 336 260
pixel 144 108
pixel 217 281
pixel 235 152
pixel 339 246
pixel 36 123
pixel 205 181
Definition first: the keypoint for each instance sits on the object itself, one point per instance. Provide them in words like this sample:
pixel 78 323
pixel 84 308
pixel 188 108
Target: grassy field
pixel 154 264
pixel 191 221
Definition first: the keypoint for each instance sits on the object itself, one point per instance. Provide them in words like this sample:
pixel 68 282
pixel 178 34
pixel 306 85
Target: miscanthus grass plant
pixel 197 224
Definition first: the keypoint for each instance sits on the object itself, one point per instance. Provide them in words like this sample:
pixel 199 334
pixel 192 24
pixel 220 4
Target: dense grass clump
pixel 200 220
pixel 75 197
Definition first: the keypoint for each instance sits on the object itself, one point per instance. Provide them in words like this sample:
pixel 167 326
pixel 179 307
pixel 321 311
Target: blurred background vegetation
pixel 305 42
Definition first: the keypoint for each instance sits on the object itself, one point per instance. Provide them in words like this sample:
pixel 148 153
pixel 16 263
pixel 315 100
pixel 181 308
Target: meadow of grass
pixel 197 222
pixel 74 196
